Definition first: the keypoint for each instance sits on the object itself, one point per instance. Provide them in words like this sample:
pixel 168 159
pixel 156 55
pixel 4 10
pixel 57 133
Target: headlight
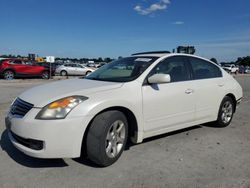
pixel 60 109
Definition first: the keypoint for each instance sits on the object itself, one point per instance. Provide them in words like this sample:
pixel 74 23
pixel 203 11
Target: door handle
pixel 220 85
pixel 189 91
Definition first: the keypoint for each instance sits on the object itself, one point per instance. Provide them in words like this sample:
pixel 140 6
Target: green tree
pixel 107 59
pixel 245 61
pixel 214 60
pixel 100 59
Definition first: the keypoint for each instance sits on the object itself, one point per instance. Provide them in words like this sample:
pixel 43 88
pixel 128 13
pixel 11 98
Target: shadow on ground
pixel 25 160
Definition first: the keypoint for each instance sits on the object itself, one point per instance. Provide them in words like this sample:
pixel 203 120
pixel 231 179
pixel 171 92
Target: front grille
pixel 30 143
pixel 20 107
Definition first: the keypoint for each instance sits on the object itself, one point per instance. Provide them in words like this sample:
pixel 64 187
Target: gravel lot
pixel 201 156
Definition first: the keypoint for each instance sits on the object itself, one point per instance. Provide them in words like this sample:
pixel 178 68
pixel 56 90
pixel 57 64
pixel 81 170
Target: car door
pixel 34 69
pixel 80 70
pixel 18 67
pixel 208 82
pixel 21 67
pixel 70 69
pixel 28 68
pixel 169 105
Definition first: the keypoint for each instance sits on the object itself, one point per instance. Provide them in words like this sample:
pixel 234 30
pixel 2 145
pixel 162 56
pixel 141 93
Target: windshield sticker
pixel 144 59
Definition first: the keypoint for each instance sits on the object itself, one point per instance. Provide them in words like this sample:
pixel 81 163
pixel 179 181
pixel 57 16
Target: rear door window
pixel 203 69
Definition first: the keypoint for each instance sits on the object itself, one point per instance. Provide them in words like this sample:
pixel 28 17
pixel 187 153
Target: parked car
pixel 12 68
pixel 73 69
pixel 247 70
pixel 162 92
pixel 231 68
pixel 91 65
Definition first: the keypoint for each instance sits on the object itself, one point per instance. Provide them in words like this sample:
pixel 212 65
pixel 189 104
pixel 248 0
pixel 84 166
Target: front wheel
pixel 226 112
pixel 107 137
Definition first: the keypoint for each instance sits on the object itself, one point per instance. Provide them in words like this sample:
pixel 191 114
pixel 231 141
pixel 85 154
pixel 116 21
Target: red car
pixel 12 68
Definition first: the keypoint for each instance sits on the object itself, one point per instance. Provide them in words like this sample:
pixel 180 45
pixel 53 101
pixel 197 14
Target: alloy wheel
pixel 227 112
pixel 9 75
pixel 115 139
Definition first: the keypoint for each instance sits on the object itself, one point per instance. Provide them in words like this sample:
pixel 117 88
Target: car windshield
pixel 122 70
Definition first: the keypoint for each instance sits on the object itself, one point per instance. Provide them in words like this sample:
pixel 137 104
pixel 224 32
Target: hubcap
pixel 115 139
pixel 45 75
pixel 227 112
pixel 8 75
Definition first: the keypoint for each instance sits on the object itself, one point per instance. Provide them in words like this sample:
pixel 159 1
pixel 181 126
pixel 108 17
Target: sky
pixel 112 28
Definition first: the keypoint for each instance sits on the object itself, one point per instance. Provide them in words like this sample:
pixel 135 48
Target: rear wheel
pixel 9 75
pixel 88 72
pixel 107 137
pixel 45 75
pixel 226 112
pixel 63 73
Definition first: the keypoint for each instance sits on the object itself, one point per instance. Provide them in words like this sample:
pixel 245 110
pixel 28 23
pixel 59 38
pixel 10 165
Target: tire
pixel 63 73
pixel 9 75
pixel 104 145
pixel 87 73
pixel 45 75
pixel 226 112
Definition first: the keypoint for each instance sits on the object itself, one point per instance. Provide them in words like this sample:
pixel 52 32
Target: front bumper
pixel 47 138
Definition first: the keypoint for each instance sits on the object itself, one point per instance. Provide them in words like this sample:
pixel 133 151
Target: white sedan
pixel 73 69
pixel 134 98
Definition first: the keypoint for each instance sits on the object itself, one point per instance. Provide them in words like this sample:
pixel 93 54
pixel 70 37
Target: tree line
pixel 245 61
pixel 241 61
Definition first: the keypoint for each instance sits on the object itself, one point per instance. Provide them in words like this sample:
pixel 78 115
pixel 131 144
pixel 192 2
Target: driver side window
pixel 175 67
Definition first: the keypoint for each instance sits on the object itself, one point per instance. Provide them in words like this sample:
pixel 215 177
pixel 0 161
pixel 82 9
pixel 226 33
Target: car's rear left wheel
pixel 9 75
pixel 45 75
pixel 226 112
pixel 87 73
pixel 107 137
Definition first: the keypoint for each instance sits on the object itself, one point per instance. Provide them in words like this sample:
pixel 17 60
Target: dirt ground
pixel 200 156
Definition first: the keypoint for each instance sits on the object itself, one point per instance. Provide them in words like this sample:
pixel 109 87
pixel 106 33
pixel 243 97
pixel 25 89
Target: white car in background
pixel 231 68
pixel 70 69
pixel 134 98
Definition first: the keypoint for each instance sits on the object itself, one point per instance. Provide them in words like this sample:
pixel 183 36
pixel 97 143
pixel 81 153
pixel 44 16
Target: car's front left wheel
pixel 107 137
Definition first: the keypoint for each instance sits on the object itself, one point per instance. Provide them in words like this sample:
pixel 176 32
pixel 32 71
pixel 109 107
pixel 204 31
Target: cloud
pixel 178 23
pixel 158 6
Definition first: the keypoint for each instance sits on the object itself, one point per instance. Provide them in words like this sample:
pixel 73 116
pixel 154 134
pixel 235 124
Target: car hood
pixel 42 95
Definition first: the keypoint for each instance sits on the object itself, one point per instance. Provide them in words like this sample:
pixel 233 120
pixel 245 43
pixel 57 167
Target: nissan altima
pixel 134 98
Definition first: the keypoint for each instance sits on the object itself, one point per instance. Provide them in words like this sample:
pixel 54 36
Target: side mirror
pixel 159 79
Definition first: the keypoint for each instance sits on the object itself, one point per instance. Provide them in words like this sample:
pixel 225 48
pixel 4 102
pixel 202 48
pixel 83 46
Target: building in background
pixel 32 57
pixel 186 49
